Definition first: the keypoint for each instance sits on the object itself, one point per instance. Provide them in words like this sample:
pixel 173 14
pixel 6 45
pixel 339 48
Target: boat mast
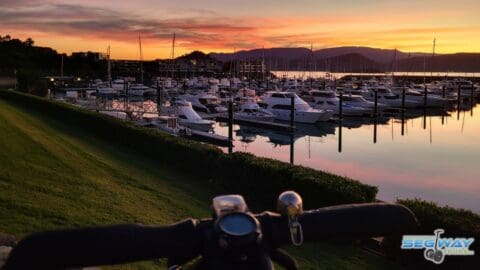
pixel 394 65
pixel 263 64
pixel 311 65
pixel 433 55
pixel 109 67
pixel 173 56
pixel 141 58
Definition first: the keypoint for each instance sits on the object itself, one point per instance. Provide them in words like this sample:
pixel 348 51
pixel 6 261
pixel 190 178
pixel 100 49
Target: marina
pixel 380 135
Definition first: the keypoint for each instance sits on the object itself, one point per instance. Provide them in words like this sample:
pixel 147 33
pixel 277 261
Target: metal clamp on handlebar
pixel 290 204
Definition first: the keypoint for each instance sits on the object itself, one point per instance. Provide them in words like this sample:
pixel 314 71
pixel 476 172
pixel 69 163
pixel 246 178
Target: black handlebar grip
pixel 358 220
pixel 345 221
pixel 104 245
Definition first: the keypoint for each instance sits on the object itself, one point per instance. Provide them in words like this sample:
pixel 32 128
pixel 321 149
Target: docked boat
pixel 279 103
pixel 250 110
pixel 205 103
pixel 386 96
pixel 165 123
pixel 139 89
pixel 118 85
pixel 360 101
pixel 433 100
pixel 327 100
pixel 187 116
pixel 105 91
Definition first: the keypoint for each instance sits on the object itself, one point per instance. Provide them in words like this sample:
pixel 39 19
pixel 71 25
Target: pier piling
pixel 340 107
pixel 292 148
pixel 158 97
pixel 292 112
pixel 403 110
pixel 425 92
pixel 375 115
pixel 459 98
pixel 230 125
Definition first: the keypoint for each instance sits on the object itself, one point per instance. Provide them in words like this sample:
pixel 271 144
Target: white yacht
pixel 137 89
pixel 279 103
pixel 103 89
pixel 165 123
pixel 205 103
pixel 386 96
pixel 250 110
pixel 118 85
pixel 360 101
pixel 327 100
pixel 433 100
pixel 106 91
pixel 187 117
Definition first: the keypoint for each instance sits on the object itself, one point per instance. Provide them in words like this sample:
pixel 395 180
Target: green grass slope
pixel 55 175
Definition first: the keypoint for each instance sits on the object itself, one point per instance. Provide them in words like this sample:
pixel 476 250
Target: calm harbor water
pixel 436 159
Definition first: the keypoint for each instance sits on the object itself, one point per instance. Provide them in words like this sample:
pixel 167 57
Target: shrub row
pixel 260 180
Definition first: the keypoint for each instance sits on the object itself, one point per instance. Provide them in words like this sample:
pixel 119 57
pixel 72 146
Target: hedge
pixel 455 221
pixel 260 180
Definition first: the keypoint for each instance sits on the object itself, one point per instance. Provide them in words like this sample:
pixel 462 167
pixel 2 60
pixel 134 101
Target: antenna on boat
pixel 141 58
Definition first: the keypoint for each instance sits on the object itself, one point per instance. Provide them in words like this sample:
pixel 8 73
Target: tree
pixel 29 42
pixel 30 81
pixel 5 38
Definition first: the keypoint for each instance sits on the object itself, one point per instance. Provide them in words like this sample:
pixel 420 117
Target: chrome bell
pixel 290 204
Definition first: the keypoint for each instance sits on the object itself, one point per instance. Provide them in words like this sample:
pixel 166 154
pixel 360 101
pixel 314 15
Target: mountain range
pixel 356 59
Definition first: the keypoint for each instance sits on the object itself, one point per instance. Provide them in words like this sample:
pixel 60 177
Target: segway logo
pixel 436 248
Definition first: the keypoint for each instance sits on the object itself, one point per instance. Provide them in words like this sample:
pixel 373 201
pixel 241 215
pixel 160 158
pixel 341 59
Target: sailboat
pixel 139 89
pixel 105 89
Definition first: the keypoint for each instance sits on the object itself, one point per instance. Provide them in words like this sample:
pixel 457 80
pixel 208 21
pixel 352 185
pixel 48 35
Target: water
pixel 338 75
pixel 436 159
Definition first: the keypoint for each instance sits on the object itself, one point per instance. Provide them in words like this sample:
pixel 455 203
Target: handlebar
pixel 346 221
pixel 129 243
pixel 104 245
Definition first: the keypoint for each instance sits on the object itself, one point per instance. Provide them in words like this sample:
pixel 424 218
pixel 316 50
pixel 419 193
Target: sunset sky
pixel 222 25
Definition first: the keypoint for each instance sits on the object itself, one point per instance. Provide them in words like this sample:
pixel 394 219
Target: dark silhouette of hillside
pixel 17 55
pixel 459 62
pixel 356 59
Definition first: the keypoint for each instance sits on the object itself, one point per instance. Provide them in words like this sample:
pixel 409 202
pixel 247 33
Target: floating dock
pixel 259 124
pixel 203 136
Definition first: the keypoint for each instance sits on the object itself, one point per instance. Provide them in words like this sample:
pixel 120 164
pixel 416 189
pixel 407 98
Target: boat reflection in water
pixel 426 153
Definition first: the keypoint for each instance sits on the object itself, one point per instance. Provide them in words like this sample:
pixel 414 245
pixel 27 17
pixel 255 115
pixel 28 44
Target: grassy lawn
pixel 54 175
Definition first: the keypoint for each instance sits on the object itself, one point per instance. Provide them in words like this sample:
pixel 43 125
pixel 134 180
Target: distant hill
pixel 459 62
pixel 358 59
pixel 272 53
pixel 350 62
pixel 378 55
